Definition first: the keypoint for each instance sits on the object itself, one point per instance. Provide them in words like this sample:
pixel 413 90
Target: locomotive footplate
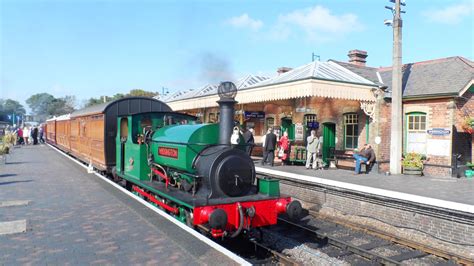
pixel 223 216
pixel 199 199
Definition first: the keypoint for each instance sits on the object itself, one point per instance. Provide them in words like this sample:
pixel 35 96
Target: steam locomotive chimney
pixel 227 92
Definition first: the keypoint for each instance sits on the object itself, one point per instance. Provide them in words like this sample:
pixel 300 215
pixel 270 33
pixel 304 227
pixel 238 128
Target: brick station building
pixel 348 103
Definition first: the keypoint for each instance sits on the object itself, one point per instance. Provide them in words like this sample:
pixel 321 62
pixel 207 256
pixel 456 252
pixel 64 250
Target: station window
pixel 212 118
pixel 416 133
pixel 351 131
pixel 269 122
pixel 309 118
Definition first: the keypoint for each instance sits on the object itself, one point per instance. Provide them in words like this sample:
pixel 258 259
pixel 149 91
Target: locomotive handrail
pixel 199 144
pixel 241 221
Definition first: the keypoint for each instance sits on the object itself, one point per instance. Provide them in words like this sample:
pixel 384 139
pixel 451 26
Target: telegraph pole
pixel 396 123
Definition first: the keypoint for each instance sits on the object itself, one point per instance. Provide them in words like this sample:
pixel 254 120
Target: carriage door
pixel 329 140
pixel 123 140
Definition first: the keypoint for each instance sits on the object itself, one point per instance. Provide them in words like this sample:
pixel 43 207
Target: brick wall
pixel 441 113
pixel 429 225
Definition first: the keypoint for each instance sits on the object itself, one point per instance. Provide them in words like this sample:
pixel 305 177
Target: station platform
pixel 53 212
pixel 437 213
pixel 448 193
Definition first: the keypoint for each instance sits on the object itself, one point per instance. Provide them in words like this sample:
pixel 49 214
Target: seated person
pixel 366 155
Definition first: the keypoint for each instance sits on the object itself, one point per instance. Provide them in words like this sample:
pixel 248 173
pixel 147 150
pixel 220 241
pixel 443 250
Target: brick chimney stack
pixel 282 70
pixel 357 57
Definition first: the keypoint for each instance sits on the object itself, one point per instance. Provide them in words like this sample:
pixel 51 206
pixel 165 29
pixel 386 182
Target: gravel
pixel 298 251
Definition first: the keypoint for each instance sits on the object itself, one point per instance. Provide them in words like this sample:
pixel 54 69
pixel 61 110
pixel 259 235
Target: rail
pixel 367 254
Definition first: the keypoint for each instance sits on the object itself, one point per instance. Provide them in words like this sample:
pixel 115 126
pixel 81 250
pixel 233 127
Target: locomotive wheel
pixel 189 219
pixel 128 185
pixel 115 177
pixel 256 234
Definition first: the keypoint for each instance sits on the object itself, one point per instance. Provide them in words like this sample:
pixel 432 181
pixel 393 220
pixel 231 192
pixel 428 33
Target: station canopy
pixel 316 79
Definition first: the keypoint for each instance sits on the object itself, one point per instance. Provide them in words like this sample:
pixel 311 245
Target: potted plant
pixel 413 163
pixel 469 173
pixel 5 146
pixel 468 125
pixel 4 150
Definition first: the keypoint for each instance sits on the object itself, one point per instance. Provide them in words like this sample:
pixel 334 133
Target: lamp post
pixel 396 114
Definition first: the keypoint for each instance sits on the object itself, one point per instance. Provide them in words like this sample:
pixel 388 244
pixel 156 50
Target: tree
pixel 135 92
pixel 10 106
pixel 61 106
pixel 39 103
pixel 143 93
pixel 93 101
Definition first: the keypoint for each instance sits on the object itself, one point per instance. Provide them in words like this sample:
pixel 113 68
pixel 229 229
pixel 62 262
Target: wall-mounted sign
pixel 299 131
pixel 378 140
pixel 438 147
pixel 312 124
pixel 439 132
pixel 254 114
pixel 304 110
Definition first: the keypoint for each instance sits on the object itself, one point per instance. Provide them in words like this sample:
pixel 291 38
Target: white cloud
pixel 317 23
pixel 452 14
pixel 244 21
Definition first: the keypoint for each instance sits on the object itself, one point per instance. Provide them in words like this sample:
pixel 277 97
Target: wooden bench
pixel 345 160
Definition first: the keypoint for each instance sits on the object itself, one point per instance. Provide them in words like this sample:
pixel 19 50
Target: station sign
pixel 299 131
pixel 439 132
pixel 312 124
pixel 254 114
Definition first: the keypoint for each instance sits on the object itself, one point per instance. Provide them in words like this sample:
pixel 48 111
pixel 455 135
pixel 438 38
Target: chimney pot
pixel 357 57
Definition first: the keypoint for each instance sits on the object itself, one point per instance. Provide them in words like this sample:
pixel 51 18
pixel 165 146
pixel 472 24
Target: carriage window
pixel 123 128
pixel 145 122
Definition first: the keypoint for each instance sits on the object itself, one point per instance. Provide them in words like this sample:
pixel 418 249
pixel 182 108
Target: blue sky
pixel 92 48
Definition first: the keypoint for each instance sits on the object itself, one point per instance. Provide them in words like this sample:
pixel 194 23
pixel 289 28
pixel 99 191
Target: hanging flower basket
pixel 468 125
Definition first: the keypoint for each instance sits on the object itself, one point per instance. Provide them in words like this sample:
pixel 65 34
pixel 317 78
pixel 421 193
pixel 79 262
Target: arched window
pixel 351 131
pixel 309 118
pixel 416 132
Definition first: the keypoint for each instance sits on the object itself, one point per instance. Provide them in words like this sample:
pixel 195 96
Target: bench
pixel 345 160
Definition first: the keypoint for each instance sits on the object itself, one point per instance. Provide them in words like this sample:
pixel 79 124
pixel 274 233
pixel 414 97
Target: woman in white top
pixel 26 134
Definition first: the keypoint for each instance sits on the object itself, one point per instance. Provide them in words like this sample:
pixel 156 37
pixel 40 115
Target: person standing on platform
pixel 312 150
pixel 249 141
pixel 19 134
pixel 26 135
pixel 284 144
pixel 41 133
pixel 269 143
pixel 34 135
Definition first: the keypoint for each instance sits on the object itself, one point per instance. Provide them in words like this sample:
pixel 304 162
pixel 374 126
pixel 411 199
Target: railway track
pixel 349 246
pixel 405 242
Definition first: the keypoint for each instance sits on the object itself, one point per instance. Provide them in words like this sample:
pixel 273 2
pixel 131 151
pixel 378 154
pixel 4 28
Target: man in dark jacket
pixel 366 155
pixel 249 141
pixel 269 144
